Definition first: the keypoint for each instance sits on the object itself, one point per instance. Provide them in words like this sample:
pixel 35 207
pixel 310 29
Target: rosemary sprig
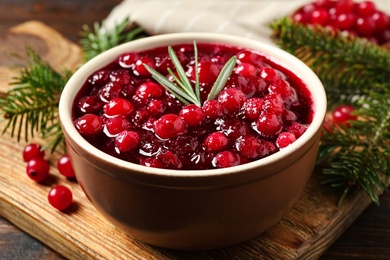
pixel 356 72
pixel 183 90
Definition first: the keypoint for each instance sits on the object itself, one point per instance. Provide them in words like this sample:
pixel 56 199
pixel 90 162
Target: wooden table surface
pixel 367 238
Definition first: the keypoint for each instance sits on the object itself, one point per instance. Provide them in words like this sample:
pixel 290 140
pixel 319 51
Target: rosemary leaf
pixel 175 90
pixel 222 78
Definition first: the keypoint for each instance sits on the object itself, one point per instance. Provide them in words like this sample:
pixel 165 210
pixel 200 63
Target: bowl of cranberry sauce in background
pixel 167 204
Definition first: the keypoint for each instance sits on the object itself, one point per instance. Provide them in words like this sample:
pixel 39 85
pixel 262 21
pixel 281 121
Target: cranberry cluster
pixel 38 169
pixel 122 111
pixel 361 19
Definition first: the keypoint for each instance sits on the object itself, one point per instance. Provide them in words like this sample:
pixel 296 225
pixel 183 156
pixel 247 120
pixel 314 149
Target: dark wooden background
pixel 367 238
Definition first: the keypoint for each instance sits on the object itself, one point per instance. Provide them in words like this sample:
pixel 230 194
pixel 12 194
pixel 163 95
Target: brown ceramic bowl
pixel 194 209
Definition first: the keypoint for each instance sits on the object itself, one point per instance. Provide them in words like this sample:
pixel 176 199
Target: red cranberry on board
pixel 38 169
pixel 32 151
pixel 60 197
pixel 64 166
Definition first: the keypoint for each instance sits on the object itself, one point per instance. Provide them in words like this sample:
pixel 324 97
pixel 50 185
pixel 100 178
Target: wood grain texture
pixel 81 233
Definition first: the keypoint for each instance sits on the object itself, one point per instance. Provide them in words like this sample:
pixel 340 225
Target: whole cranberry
pixel 118 107
pixel 252 108
pixel 285 139
pixel 126 141
pixel 192 115
pixel 169 126
pixel 249 146
pixel 215 142
pixel 343 114
pixel 38 169
pixel 226 159
pixel 60 197
pixel 64 166
pixel 89 125
pixel 212 109
pixel 231 99
pixel 115 125
pixel 32 151
pixel 269 124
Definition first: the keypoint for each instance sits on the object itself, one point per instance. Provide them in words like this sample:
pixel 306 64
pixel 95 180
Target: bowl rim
pixel 274 53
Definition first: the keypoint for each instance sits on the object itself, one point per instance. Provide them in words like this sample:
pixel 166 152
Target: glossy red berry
pixel 32 151
pixel 250 57
pixel 60 197
pixel 215 142
pixel 269 124
pixel 226 159
pixel 139 68
pixel 365 26
pixel 64 166
pixel 118 107
pixel 38 169
pixel 231 99
pixel 246 70
pixel 170 160
pixel 192 115
pixel 269 74
pixel 90 104
pixel 365 8
pixel 208 72
pixel 156 107
pixel 252 108
pixel 319 16
pixel 381 20
pixel 115 125
pixel 126 141
pixel 212 109
pixel 344 114
pixel 151 162
pixel 345 21
pixel 127 60
pixel 89 124
pixel 169 126
pixel 297 129
pixel 273 103
pixel 285 139
pixel 249 146
pixel 149 89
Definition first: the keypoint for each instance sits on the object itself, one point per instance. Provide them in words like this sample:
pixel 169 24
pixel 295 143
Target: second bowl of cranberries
pixel 212 167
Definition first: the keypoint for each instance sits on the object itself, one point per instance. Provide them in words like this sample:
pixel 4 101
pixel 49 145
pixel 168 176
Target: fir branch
pixel 347 66
pixel 31 105
pixel 100 38
pixel 358 156
pixel 357 72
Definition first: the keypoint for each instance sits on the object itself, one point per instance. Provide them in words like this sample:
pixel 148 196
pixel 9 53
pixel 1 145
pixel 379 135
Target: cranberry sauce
pixel 122 111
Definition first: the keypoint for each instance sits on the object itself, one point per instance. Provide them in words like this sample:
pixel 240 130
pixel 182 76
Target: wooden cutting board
pixel 81 233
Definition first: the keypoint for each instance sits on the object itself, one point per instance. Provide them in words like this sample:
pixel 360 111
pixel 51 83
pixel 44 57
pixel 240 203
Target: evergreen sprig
pixel 348 66
pixel 31 105
pixel 100 38
pixel 356 72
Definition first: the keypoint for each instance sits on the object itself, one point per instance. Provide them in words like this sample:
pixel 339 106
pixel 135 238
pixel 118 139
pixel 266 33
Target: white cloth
pixel 247 18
